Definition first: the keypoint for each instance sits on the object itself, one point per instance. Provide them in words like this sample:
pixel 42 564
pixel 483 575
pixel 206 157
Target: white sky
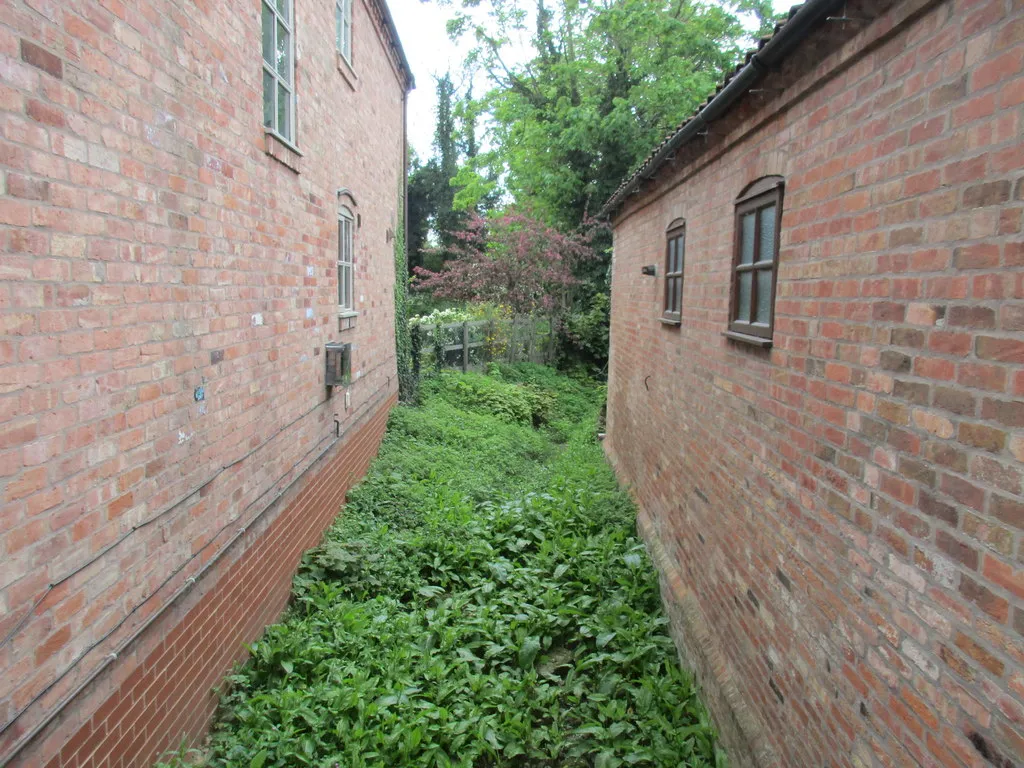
pixel 421 28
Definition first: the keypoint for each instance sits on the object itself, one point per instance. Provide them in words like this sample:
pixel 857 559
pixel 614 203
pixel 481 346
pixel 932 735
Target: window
pixel 752 304
pixel 278 69
pixel 343 28
pixel 675 261
pixel 345 264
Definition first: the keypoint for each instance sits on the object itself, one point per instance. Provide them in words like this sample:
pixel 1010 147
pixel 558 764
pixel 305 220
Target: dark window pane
pixel 284 126
pixel 764 294
pixel 747 242
pixel 268 35
pixel 283 53
pixel 743 301
pixel 679 295
pixel 767 252
pixel 282 6
pixel 682 252
pixel 268 99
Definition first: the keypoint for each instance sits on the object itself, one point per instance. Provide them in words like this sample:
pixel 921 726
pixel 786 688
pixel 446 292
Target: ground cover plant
pixel 483 600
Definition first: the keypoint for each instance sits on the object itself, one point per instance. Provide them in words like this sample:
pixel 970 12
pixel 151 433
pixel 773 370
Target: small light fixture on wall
pixel 649 270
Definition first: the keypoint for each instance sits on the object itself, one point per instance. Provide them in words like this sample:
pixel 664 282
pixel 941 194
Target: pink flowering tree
pixel 512 259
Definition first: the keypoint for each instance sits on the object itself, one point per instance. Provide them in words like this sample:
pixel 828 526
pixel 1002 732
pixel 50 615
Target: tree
pixel 420 207
pixel 606 81
pixel 434 186
pixel 512 259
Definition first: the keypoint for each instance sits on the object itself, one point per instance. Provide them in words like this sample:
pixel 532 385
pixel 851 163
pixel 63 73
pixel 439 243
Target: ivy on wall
pixel 407 384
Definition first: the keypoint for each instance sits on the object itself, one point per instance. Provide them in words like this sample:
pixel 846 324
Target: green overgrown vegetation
pixel 483 600
pixel 407 384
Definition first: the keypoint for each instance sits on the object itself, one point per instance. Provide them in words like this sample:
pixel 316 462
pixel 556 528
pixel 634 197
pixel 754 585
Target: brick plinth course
pixel 168 282
pixel 838 520
pixel 166 690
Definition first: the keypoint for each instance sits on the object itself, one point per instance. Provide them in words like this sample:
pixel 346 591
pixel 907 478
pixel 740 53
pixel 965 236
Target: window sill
pixel 345 68
pixel 347 320
pixel 282 151
pixel 745 338
pixel 670 321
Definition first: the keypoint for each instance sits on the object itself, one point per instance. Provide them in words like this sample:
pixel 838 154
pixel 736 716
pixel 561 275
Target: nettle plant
pixel 482 601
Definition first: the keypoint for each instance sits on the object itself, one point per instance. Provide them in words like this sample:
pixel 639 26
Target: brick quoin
pixel 168 281
pixel 838 520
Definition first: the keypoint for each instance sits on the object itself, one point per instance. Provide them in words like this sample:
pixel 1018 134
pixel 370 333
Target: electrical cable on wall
pixel 4 760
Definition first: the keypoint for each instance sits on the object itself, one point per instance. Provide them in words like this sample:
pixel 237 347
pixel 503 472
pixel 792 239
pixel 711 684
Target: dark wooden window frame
pixel 761 194
pixel 675 231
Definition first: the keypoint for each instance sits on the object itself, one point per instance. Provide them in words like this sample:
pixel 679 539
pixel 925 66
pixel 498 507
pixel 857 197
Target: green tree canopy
pixel 605 81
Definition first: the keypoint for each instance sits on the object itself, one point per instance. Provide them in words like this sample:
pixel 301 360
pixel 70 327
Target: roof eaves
pixel 396 41
pixel 787 32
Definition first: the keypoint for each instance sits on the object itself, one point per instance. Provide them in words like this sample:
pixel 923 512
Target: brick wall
pixel 166 692
pixel 839 520
pixel 167 285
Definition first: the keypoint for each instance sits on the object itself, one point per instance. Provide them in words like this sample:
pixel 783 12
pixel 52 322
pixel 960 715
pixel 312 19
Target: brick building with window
pixel 816 389
pixel 197 199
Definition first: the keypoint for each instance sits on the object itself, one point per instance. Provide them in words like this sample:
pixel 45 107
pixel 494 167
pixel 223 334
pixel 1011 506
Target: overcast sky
pixel 421 27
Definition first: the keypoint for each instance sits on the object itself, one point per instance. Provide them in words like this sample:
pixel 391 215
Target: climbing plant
pixel 407 385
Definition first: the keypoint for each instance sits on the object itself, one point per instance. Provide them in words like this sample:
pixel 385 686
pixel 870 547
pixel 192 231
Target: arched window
pixel 675 261
pixel 346 225
pixel 752 298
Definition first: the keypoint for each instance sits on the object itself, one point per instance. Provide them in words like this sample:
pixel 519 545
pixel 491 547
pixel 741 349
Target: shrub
pixel 509 402
pixel 483 601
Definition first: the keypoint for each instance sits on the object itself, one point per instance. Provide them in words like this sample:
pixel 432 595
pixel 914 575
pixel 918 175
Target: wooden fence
pixel 471 345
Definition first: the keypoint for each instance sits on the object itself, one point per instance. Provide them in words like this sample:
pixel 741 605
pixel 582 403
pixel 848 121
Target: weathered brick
pixel 978 256
pixel 1006 576
pixel 971 316
pixel 1008 510
pixel 914 392
pixel 895 361
pixel 958 550
pixel 955 400
pixel 989 193
pixel 996 607
pixel 1003 350
pixel 907 337
pixel 981 436
pixel 948 93
pixel 41 58
pixel 933 507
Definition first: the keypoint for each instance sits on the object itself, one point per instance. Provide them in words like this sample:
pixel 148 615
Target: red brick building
pixel 818 397
pixel 197 198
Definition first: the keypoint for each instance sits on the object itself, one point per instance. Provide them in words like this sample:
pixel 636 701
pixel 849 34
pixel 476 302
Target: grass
pixel 482 601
